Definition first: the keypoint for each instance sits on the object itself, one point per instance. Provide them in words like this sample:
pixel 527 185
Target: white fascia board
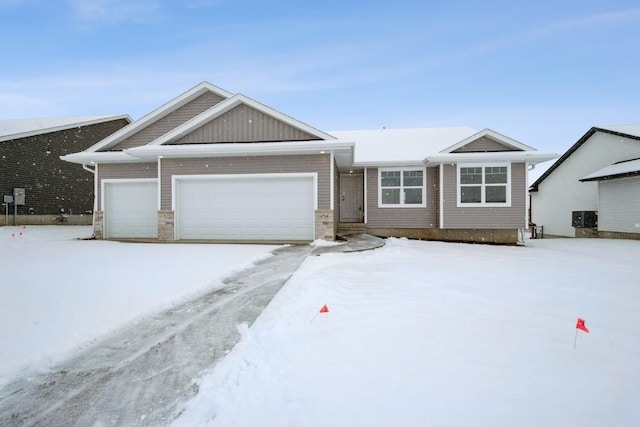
pixel 88 158
pixel 389 164
pixel 493 135
pixel 239 149
pixel 236 100
pixel 158 113
pixel 531 157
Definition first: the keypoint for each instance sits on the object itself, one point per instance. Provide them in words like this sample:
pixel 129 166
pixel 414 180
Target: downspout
pixel 95 193
pixel 332 181
pixel 365 199
pixel 440 193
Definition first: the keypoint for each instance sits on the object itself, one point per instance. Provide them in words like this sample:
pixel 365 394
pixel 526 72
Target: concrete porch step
pixel 347 228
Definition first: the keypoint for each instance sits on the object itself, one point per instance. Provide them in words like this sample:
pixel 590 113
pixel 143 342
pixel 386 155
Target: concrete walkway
pixel 139 375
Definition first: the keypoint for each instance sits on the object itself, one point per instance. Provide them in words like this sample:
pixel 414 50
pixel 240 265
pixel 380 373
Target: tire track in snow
pixel 138 376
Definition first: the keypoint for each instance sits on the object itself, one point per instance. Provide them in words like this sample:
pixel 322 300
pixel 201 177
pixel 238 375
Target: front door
pixel 352 198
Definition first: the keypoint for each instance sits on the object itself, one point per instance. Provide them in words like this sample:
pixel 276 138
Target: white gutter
pixel 389 164
pixel 88 157
pixel 531 157
pixel 237 149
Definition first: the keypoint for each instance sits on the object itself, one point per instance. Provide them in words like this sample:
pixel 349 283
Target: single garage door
pixel 131 209
pixel 245 207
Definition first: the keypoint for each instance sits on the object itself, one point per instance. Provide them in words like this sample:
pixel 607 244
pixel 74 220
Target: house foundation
pixel 65 219
pixel 325 228
pixel 166 227
pixel 586 233
pixel 98 225
pixel 488 236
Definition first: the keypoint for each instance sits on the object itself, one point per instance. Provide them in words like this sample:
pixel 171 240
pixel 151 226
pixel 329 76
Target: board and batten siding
pixel 482 145
pixel 318 163
pixel 170 121
pixel 244 124
pixel 484 217
pixel 124 171
pixel 620 205
pixel 394 217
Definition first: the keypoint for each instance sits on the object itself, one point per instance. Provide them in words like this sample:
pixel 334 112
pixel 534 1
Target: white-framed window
pixel 402 187
pixel 484 185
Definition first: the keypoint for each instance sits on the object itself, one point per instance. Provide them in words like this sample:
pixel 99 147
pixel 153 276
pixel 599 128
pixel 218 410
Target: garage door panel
pixel 246 208
pixel 131 210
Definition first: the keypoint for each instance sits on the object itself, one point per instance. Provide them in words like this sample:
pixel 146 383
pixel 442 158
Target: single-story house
pixel 216 166
pixel 591 190
pixel 36 187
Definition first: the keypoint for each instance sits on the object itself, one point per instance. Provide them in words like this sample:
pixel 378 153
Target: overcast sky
pixel 540 72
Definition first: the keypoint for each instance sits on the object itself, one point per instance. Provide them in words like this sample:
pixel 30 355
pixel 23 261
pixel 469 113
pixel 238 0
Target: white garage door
pixel 245 207
pixel 131 209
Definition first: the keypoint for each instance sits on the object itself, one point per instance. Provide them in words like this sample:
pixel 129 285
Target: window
pixel 402 187
pixel 484 185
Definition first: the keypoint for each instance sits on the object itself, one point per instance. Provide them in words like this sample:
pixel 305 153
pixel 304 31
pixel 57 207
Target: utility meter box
pixel 18 196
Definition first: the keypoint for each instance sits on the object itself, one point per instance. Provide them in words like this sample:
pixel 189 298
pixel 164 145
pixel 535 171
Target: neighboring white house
pixel 559 191
pixel 618 198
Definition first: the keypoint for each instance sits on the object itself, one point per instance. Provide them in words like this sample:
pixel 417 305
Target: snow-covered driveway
pixel 137 376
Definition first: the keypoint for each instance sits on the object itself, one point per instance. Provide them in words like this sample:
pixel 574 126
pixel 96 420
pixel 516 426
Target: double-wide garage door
pixel 245 207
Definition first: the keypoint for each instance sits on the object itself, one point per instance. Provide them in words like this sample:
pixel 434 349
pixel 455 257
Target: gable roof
pixel 400 145
pixel 228 104
pixel 631 131
pixel 616 170
pixel 504 140
pixel 420 146
pixel 159 113
pixel 23 128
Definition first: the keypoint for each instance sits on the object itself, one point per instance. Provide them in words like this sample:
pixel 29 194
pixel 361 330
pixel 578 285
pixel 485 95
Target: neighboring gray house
pixel 592 190
pixel 46 188
pixel 212 165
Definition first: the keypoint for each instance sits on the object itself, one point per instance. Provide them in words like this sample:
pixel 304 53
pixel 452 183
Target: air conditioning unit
pixel 584 219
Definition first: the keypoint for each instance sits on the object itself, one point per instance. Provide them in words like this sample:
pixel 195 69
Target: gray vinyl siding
pixel 426 217
pixel 619 205
pixel 170 121
pixel 319 163
pixel 485 217
pixel 482 145
pixel 124 171
pixel 245 124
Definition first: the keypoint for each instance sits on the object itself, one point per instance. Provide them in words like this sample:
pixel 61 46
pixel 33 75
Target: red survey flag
pixel 580 325
pixel 324 309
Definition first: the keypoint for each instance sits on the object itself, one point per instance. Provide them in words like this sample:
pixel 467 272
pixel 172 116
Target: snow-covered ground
pixel 417 333
pixel 59 294
pixel 428 333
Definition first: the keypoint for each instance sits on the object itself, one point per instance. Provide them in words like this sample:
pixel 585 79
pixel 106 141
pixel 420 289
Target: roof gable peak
pixel 159 113
pixel 502 139
pixel 225 106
